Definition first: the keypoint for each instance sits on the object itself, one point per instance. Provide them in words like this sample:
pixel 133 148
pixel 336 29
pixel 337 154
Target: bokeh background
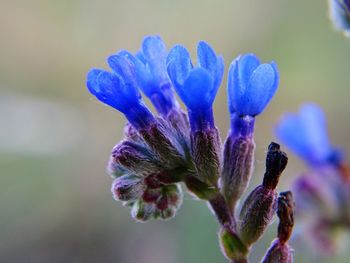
pixel 55 138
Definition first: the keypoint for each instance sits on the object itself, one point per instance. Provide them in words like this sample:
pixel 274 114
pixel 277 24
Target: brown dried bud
pixel 285 213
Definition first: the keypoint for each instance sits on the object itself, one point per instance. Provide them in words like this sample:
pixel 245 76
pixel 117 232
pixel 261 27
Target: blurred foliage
pixel 55 139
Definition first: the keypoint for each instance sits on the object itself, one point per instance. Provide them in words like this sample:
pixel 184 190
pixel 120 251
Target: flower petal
pixel 179 65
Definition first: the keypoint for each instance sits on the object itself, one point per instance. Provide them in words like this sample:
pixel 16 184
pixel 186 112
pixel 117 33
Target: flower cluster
pixel 160 151
pixel 323 192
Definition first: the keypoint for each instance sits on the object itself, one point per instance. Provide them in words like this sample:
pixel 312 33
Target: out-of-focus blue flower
pixel 339 11
pixel 119 90
pixel 305 133
pixel 153 76
pixel 196 86
pixel 251 85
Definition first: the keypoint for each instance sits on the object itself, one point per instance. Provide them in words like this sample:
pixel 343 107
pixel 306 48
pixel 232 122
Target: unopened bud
pixel 142 211
pixel 179 121
pixel 285 213
pixel 163 144
pixel 128 187
pixel 135 158
pixel 206 154
pixel 276 162
pixel 260 206
pixel 131 133
pixel 237 169
pixel 114 169
pixel 278 253
pixel 231 245
pixel 256 214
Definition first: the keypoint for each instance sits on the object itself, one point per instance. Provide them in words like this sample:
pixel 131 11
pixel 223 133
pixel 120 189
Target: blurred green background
pixel 55 200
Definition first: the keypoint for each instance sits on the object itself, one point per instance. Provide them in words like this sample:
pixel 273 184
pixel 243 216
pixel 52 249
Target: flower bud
pixel 260 206
pixel 238 163
pixel 276 162
pixel 285 213
pixel 231 245
pixel 164 146
pixel 206 155
pixel 114 169
pixel 256 214
pixel 153 77
pixel 128 187
pixel 251 85
pixel 278 253
pixel 142 211
pixel 136 158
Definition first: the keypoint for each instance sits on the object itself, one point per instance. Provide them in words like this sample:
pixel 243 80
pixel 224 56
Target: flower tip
pixel 251 85
pixel 197 89
pixel 91 80
pixel 123 63
pixel 179 65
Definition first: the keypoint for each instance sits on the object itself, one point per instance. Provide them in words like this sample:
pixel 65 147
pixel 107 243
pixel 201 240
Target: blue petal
pixel 124 64
pixel 314 121
pixel 154 49
pixel 196 92
pixel 91 81
pixel 116 93
pixel 179 65
pixel 305 133
pixel 105 95
pixel 262 87
pixel 251 85
pixel 219 72
pixel 239 74
pixel 207 59
pixel 246 66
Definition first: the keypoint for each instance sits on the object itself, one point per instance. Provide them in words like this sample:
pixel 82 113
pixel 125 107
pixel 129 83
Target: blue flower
pixel 305 134
pixel 119 90
pixel 251 85
pixel 196 86
pixel 339 11
pixel 153 76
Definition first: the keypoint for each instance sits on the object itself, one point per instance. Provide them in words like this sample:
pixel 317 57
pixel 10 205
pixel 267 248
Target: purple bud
pixel 136 158
pixel 206 154
pixel 131 133
pixel 260 206
pixel 278 253
pixel 237 168
pixel 128 187
pixel 114 169
pixel 179 121
pixel 166 200
pixel 256 214
pixel 142 211
pixel 163 144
